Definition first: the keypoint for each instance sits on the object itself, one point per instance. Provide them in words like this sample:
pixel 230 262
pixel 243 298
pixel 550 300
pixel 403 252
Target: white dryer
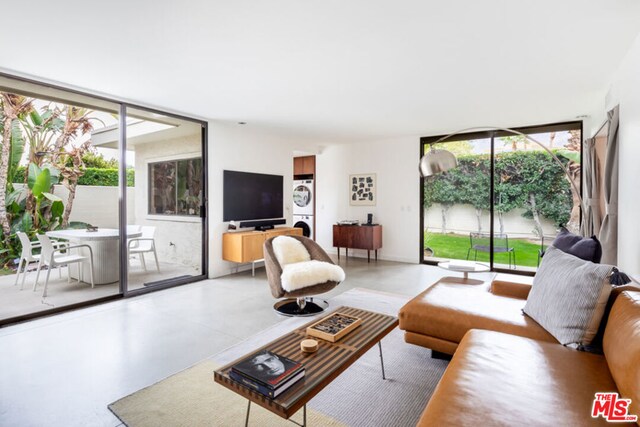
pixel 303 197
pixel 306 223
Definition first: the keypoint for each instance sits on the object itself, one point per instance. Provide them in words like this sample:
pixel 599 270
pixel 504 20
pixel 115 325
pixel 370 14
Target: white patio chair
pixel 141 245
pixel 27 256
pixel 49 258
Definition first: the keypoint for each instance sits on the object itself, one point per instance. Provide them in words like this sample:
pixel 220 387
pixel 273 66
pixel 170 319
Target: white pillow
pixel 304 274
pixel 289 250
pixel 568 297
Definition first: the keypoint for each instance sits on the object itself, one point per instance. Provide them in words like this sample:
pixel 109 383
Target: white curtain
pixel 609 230
pixel 591 218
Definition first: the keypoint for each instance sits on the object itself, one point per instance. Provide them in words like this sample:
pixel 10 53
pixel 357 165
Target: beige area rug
pixel 191 398
pixel 358 397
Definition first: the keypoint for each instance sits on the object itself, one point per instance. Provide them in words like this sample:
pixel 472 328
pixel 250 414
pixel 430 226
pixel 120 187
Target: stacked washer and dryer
pixel 303 206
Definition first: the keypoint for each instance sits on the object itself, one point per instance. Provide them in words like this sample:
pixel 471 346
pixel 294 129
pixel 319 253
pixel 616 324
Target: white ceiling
pixel 332 70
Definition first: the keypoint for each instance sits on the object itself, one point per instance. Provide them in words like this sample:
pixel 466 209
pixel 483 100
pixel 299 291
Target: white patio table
pixel 106 251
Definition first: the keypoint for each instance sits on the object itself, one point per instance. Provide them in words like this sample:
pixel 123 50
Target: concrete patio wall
pixel 462 219
pixel 95 205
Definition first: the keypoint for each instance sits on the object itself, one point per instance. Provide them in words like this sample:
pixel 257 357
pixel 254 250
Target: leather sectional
pixel 506 369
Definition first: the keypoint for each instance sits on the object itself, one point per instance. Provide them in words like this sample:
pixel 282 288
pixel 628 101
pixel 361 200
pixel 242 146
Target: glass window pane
pixel 165 230
pixel 68 142
pixel 457 203
pixel 163 188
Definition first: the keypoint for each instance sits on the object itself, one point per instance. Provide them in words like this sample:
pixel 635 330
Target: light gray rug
pixel 358 397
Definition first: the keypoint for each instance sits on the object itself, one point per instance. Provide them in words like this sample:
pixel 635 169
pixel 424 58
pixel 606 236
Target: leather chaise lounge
pixel 506 369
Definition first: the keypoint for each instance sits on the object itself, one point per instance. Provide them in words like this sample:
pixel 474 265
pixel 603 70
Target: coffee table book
pixel 261 388
pixel 268 368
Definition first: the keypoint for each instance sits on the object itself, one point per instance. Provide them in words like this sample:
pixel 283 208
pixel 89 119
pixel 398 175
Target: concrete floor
pixel 64 370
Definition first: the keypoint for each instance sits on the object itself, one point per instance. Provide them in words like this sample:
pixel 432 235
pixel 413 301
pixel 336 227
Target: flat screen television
pixel 252 196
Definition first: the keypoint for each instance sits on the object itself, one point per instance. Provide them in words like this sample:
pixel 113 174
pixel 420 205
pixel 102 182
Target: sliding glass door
pixel 165 218
pixel 101 199
pixel 505 177
pixel 61 200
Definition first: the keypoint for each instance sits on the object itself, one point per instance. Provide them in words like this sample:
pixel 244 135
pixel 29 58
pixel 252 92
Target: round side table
pixel 473 267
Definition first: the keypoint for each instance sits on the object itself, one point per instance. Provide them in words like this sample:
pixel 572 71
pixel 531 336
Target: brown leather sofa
pixel 507 370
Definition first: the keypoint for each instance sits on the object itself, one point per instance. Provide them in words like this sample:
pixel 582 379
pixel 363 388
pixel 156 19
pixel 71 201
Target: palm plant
pixel 14 107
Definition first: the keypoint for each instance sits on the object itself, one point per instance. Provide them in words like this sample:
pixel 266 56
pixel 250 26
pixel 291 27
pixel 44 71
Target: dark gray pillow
pixel 586 248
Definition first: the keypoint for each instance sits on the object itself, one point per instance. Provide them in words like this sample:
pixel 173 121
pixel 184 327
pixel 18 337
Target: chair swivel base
pixel 300 307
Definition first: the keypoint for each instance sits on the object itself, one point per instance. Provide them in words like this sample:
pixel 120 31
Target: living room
pixel 181 94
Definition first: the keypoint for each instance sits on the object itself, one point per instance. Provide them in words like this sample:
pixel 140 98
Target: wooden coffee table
pixel 322 367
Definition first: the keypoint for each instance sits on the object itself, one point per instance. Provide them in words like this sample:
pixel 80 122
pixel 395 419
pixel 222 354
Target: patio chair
pixel 142 245
pixel 27 256
pixel 482 242
pixel 51 259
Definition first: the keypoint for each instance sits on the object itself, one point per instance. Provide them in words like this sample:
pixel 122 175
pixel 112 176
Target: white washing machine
pixel 303 197
pixel 306 223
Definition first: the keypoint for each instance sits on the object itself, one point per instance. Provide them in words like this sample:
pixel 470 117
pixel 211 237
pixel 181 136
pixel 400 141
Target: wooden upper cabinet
pixel 304 165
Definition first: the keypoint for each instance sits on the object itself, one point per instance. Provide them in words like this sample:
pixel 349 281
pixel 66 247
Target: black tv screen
pixel 249 196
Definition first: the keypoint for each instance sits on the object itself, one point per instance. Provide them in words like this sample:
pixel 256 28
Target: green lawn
pixel 455 246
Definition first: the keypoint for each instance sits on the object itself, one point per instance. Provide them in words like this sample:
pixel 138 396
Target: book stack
pixel 267 373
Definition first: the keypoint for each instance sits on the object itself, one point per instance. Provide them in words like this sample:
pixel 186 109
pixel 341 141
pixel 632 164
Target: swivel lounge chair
pixel 298 268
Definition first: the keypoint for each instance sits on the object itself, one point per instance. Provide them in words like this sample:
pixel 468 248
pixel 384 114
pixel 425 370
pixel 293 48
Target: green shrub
pixel 92 176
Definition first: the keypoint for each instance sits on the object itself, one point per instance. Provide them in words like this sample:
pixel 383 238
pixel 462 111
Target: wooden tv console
pixel 246 246
pixel 367 237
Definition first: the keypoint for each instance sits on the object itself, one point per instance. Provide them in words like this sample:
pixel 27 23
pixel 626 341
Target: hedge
pixel 92 176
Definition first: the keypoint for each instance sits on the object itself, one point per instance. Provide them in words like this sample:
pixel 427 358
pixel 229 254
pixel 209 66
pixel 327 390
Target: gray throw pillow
pixel 586 248
pixel 568 297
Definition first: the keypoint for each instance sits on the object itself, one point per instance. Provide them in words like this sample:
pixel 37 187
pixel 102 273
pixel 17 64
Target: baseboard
pixel 362 254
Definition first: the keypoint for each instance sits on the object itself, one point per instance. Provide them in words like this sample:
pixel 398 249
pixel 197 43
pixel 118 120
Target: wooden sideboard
pixel 246 246
pixel 367 237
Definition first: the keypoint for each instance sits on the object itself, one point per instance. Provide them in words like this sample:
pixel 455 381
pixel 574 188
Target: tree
pixel 13 107
pixel 572 154
pixel 77 122
pixel 442 189
pixel 93 159
pixel 473 180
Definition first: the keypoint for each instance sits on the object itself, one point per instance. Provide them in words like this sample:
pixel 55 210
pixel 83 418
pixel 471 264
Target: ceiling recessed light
pixel 242 123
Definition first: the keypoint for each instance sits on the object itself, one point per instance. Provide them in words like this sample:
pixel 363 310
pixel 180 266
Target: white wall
pixel 250 149
pixel 395 163
pixel 625 91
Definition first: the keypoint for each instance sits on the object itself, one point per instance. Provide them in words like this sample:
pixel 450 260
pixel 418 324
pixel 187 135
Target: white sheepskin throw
pixel 308 273
pixel 289 250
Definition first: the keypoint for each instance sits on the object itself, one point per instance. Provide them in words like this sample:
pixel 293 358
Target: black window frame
pixel 150 187
pixel 492 135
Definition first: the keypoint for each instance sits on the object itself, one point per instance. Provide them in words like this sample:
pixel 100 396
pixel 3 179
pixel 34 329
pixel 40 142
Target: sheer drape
pixel 609 230
pixel 591 216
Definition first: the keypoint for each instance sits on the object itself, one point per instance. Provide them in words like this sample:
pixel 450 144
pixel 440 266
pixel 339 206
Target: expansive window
pixel 175 187
pixel 507 198
pixel 109 196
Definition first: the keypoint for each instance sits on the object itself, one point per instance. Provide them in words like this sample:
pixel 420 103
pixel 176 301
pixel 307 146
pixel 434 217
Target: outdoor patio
pixel 16 302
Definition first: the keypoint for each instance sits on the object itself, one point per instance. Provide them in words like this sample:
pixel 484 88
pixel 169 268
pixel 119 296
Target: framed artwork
pixel 362 189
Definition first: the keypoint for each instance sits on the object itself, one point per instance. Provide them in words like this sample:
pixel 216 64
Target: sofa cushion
pixel 568 297
pixel 621 345
pixel 498 379
pixel 450 308
pixel 301 275
pixel 289 250
pixel 586 248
